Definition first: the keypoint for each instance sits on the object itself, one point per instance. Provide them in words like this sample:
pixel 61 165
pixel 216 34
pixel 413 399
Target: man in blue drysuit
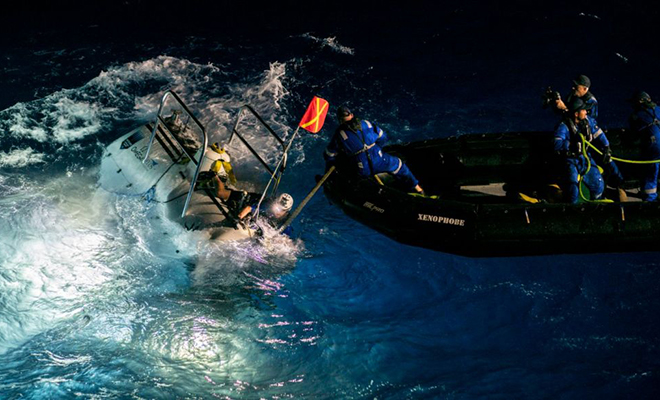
pixel 581 86
pixel 360 141
pixel 645 124
pixel 568 145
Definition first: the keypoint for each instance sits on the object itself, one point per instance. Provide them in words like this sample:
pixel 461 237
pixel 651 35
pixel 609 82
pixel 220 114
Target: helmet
pixel 342 112
pixel 577 104
pixel 639 97
pixel 285 201
pixel 582 80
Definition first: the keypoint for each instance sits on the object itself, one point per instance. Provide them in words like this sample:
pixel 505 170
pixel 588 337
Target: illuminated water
pixel 101 297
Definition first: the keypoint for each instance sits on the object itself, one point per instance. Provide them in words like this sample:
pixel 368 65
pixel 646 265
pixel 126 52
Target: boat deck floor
pixel 496 192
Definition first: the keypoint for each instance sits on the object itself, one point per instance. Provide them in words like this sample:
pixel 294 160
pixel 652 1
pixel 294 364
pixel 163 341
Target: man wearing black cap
pixel 645 123
pixel 360 143
pixel 581 85
pixel 568 144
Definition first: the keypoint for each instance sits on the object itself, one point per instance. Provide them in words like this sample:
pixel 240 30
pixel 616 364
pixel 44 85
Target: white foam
pixel 56 255
pixel 132 92
pixel 265 93
pixel 49 265
pixel 73 114
pixel 228 263
pixel 22 125
pixel 60 253
pixel 332 43
pixel 19 158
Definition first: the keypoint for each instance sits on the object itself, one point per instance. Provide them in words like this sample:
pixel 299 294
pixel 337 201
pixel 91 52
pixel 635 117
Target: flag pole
pixel 317 105
pixel 279 164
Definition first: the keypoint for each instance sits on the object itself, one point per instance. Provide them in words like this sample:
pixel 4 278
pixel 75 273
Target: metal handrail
pixel 204 145
pixel 235 132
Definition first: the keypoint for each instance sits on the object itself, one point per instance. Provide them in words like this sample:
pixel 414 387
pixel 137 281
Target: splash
pixel 265 96
pixel 50 259
pixel 127 92
pixel 230 263
pixel 67 250
pixel 131 92
pixel 332 43
pixel 66 246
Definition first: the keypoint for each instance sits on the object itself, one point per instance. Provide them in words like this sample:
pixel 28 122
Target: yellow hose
pixel 621 159
pixel 584 153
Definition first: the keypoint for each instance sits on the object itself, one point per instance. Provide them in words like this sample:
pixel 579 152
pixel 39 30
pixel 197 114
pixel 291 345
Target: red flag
pixel 315 115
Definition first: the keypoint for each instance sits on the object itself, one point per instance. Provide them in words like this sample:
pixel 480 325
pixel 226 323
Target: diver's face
pixel 346 118
pixel 581 90
pixel 582 115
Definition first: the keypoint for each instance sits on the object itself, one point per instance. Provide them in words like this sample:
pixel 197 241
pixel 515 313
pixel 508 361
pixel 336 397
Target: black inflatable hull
pixel 479 227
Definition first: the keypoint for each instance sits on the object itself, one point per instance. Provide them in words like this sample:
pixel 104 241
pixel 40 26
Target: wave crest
pixel 332 43
pixel 20 158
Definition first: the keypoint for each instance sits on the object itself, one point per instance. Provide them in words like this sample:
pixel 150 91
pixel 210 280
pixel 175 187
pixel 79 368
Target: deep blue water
pixel 100 297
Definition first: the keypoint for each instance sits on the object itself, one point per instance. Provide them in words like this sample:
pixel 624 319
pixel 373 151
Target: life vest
pixel 217 160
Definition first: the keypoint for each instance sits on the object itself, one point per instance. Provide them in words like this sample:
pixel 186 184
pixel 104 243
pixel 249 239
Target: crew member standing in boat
pixel 581 86
pixel 360 141
pixel 568 143
pixel 645 124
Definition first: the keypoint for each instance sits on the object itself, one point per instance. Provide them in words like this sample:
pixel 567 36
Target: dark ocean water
pixel 96 303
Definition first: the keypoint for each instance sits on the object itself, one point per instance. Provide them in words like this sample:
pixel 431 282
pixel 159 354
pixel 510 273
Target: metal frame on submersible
pixel 192 158
pixel 279 169
pixel 234 132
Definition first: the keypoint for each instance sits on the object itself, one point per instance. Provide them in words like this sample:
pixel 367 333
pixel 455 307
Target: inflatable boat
pixel 497 195
pixel 167 160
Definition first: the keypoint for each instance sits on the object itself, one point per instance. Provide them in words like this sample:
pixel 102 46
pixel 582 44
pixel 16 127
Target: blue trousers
pixel 650 175
pixel 396 167
pixel 591 178
pixel 611 171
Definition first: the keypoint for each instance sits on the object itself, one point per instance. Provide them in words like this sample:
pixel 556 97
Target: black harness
pixel 365 147
pixel 651 112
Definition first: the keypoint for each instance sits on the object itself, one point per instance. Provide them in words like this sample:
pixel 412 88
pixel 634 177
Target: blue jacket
pixel 593 134
pixel 360 147
pixel 646 124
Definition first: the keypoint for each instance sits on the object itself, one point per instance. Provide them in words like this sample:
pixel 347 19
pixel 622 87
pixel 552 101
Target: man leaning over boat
pixel 359 142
